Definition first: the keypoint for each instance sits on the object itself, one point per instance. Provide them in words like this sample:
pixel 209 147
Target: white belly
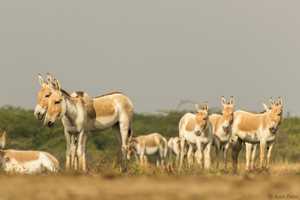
pixel 103 122
pixel 151 150
pixel 190 137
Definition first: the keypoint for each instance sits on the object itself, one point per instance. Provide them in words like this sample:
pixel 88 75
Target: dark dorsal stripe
pixel 108 94
pixel 80 93
pixel 65 93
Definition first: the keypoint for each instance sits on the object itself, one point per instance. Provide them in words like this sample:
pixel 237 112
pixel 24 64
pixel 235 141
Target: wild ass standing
pixel 174 148
pixel 152 144
pixel 81 115
pixel 196 129
pixel 256 129
pixel 26 162
pixel 221 128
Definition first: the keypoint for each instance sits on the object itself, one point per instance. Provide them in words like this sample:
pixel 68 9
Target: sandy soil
pixel 282 183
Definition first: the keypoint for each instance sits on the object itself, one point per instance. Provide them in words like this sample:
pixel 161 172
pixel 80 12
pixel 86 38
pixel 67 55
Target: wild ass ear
pixel 265 107
pixel 55 85
pixel 41 80
pixel 231 101
pixel 272 102
pixel 205 106
pixel 50 78
pixel 223 100
pixel 280 101
pixel 197 107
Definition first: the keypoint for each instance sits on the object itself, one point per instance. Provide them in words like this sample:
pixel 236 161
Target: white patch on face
pixel 39 111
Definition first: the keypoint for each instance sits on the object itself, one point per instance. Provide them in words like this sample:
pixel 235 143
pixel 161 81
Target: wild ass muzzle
pixel 196 130
pixel 221 128
pixel 152 144
pixel 254 129
pixel 82 115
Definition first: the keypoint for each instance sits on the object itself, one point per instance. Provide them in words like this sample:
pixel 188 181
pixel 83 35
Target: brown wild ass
pixel 81 115
pixel 152 144
pixel 196 130
pixel 26 162
pixel 256 129
pixel 221 128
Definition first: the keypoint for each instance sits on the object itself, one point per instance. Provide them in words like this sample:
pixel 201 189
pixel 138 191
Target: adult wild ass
pixel 256 129
pixel 81 115
pixel 41 110
pixel 196 129
pixel 221 128
pixel 152 144
pixel 26 162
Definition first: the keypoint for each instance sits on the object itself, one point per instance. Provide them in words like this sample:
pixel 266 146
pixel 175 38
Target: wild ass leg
pixel 81 150
pixel 68 151
pixel 270 148
pixel 182 149
pixel 218 150
pixel 85 139
pixel 248 155
pixel 262 153
pixel 74 158
pixel 253 156
pixel 236 148
pixel 125 130
pixel 225 156
pixel 207 156
pixel 199 153
pixel 190 156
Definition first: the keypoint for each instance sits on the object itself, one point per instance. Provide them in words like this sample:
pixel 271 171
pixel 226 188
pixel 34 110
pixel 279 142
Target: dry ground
pixel 281 183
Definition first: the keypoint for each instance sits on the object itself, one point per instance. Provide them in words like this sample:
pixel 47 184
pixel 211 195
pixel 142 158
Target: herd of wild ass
pixel 199 132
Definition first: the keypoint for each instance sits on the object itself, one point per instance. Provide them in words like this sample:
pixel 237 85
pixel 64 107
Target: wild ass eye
pixel 57 102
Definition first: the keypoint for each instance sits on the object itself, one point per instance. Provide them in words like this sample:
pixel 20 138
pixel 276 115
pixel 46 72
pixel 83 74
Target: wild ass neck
pixel 74 114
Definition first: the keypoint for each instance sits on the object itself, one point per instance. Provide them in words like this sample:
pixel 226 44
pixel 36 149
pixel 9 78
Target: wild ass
pixel 81 115
pixel 256 129
pixel 174 148
pixel 221 128
pixel 196 129
pixel 152 144
pixel 26 162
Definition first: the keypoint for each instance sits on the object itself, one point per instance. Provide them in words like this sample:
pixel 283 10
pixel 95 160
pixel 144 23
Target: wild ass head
pixel 227 113
pixel 56 104
pixel 2 139
pixel 201 118
pixel 43 96
pixel 275 114
pixel 131 149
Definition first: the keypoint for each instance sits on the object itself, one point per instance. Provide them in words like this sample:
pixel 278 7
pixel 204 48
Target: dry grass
pixel 282 182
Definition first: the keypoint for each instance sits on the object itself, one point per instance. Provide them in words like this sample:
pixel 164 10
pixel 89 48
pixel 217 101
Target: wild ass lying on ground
pixel 174 148
pixel 196 129
pixel 81 115
pixel 221 128
pixel 152 144
pixel 26 162
pixel 256 129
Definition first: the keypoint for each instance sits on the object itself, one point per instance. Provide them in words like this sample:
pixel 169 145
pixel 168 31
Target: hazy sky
pixel 157 52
